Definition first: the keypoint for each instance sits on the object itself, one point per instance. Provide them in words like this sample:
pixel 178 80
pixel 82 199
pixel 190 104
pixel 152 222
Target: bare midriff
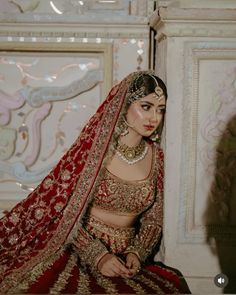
pixel 113 219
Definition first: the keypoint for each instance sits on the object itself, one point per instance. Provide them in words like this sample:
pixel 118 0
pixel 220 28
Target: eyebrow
pixel 151 104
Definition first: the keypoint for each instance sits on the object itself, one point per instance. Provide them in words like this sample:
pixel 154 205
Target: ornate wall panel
pixel 46 90
pixel 58 60
pixel 90 11
pixel 209 109
pixel 200 150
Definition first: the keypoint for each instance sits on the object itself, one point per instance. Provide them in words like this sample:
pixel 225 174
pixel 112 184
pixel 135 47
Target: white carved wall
pixel 44 95
pixel 196 55
pixel 58 60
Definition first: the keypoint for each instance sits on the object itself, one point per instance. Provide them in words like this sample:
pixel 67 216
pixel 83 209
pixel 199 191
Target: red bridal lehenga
pixel 50 242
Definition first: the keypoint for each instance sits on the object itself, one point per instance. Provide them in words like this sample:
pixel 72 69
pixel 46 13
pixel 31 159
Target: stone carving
pixel 40 115
pixel 90 11
pixel 193 54
pixel 20 173
pixel 8 103
pixel 38 96
pixel 7 142
pixel 26 5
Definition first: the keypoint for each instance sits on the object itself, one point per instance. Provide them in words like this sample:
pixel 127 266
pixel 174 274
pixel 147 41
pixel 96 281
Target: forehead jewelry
pixel 159 94
pixel 138 93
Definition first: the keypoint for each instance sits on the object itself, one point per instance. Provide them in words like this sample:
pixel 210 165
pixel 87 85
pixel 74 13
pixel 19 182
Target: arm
pixel 152 220
pixel 94 253
pixel 89 249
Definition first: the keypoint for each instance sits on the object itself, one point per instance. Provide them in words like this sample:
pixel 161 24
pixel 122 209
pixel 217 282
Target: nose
pixel 154 117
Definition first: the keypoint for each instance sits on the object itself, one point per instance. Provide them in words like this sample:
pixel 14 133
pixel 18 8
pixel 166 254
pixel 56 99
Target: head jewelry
pixel 134 95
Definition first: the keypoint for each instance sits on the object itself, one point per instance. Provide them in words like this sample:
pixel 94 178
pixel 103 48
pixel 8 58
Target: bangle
pixel 98 260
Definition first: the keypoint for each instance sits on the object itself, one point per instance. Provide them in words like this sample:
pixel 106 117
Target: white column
pixel 196 56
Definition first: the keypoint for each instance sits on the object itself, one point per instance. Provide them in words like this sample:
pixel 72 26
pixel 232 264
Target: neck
pixel 132 139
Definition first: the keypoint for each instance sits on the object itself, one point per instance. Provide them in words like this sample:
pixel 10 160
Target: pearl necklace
pixel 132 155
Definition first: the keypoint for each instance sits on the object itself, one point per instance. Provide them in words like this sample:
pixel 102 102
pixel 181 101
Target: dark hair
pixel 148 82
pixel 142 85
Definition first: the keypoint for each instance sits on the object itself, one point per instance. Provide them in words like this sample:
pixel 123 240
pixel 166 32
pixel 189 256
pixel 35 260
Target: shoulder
pixel 158 152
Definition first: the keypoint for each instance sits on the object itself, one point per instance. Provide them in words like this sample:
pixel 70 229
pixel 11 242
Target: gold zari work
pixel 125 197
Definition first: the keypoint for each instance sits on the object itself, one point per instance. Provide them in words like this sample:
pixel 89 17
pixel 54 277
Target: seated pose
pixel 93 223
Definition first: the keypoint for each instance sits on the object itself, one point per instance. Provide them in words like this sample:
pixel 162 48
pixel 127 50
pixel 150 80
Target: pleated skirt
pixel 63 273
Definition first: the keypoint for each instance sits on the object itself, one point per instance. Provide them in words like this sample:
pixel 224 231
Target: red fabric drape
pixel 40 224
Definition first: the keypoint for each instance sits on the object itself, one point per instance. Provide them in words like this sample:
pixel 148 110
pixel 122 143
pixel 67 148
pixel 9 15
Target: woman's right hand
pixel 111 266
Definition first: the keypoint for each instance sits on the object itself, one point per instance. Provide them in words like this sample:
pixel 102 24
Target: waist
pixel 110 229
pixel 113 218
pixel 116 239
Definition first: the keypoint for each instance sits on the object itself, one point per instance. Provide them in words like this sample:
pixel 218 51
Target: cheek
pixel 135 114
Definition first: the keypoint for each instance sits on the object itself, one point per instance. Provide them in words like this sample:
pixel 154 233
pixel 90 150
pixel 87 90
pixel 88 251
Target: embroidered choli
pixel 143 198
pixel 125 197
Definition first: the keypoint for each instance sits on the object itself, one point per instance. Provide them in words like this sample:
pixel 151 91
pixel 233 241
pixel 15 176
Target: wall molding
pixel 74 31
pixel 197 22
pixel 194 53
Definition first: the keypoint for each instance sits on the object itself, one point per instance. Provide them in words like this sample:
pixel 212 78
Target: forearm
pixel 145 241
pixel 89 249
pixel 150 230
pixel 152 220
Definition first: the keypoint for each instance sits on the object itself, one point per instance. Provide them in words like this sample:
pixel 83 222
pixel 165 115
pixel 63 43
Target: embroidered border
pixel 64 276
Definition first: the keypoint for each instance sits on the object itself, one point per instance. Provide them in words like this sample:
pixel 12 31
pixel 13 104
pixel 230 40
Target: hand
pixel 112 266
pixel 133 263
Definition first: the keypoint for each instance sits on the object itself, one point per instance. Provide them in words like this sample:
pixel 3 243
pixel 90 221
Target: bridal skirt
pixel 64 273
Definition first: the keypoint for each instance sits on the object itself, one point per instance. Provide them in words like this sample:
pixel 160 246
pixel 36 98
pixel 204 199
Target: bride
pixel 94 222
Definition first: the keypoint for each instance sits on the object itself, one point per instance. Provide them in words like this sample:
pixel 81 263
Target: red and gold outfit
pixel 51 244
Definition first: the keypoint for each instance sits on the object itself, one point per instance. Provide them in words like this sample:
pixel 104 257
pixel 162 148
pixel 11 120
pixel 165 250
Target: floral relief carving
pixel 8 103
pixel 25 5
pixel 86 8
pixel 7 142
pixel 204 123
pixel 43 99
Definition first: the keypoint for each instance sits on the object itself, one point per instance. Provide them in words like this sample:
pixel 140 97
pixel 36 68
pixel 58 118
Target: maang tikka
pixel 159 93
pixel 140 91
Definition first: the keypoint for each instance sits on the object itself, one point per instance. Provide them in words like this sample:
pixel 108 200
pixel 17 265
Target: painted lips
pixel 149 127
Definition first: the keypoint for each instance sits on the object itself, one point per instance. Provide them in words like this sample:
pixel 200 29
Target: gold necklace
pixel 132 155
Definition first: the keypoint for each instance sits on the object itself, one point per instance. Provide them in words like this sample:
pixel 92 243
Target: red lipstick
pixel 149 127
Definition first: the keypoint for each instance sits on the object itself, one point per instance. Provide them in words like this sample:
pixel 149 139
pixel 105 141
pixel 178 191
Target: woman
pixel 91 224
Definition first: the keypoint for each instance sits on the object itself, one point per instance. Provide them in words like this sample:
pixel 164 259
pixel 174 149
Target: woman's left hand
pixel 133 263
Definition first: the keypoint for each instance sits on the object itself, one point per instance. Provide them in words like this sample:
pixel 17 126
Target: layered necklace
pixel 132 155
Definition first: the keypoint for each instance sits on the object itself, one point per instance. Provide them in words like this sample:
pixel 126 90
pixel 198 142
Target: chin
pixel 148 133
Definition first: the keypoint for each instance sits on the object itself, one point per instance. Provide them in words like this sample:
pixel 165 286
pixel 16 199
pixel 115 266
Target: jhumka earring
pixel 124 127
pixel 155 137
pixel 125 131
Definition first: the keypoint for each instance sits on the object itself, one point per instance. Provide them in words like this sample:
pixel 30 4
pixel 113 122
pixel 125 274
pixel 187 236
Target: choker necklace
pixel 132 155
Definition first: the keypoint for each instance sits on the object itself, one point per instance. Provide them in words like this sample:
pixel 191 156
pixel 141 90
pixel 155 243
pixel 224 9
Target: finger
pixel 117 271
pixel 111 273
pixel 121 267
pixel 132 263
pixel 135 268
pixel 130 260
pixel 122 270
pixel 129 263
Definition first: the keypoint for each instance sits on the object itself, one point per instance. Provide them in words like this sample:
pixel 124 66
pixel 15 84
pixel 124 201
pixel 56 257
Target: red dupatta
pixel 40 225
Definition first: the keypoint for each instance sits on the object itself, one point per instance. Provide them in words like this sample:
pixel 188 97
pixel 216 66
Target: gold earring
pixel 124 127
pixel 155 137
